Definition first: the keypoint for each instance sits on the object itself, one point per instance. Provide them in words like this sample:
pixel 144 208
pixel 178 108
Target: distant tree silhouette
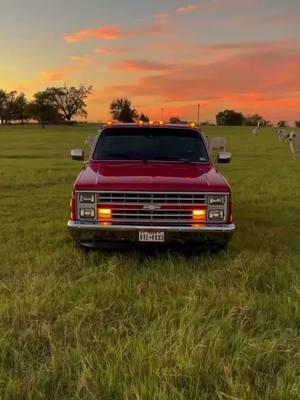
pixel 68 101
pixel 3 99
pixel 42 110
pixel 144 118
pixel 121 110
pixel 282 124
pixel 230 117
pixel 253 120
pixel 19 107
pixel 176 120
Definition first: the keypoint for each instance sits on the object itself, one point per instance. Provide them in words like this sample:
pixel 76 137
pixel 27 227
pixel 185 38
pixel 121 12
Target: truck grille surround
pixel 151 208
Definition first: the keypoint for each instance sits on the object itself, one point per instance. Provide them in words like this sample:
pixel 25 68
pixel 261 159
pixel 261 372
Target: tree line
pixel 122 110
pixel 234 118
pixel 53 105
pixel 62 104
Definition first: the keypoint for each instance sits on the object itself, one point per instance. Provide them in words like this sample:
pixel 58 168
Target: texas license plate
pixel 151 236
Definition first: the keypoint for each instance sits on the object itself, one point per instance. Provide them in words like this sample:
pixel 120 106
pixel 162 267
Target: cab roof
pixel 152 125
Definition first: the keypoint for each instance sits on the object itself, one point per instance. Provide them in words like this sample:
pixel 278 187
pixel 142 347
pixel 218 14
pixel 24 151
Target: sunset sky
pixel 240 54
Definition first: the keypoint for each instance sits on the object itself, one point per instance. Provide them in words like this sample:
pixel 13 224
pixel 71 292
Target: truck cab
pixel 148 182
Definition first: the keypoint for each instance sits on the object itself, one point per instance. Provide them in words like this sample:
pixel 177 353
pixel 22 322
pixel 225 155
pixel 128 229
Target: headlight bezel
pixel 83 198
pixel 217 203
pixel 87 201
pixel 83 213
pixel 216 200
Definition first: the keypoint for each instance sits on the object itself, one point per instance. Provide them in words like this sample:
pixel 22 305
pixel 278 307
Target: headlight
pixel 87 213
pixel 87 198
pixel 216 200
pixel 216 215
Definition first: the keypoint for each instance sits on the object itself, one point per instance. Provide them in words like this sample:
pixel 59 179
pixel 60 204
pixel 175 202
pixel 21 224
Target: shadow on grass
pixel 154 250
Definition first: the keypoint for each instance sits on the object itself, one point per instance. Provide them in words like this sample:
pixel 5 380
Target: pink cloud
pixel 140 65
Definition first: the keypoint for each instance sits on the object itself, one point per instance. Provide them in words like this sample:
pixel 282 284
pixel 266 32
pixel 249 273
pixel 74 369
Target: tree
pixel 230 117
pixel 3 99
pixel 253 120
pixel 69 102
pixel 122 110
pixel 8 112
pixel 297 124
pixel 19 108
pixel 12 106
pixel 282 124
pixel 175 120
pixel 42 110
pixel 144 118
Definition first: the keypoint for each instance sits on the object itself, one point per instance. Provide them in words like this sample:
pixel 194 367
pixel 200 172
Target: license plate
pixel 151 236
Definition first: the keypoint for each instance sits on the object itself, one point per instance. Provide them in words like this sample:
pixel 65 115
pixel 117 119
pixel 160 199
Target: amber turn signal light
pixel 104 213
pixel 199 215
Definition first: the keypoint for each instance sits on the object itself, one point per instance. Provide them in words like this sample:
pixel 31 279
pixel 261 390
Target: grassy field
pixel 134 326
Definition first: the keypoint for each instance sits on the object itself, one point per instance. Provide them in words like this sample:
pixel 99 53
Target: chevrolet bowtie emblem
pixel 151 207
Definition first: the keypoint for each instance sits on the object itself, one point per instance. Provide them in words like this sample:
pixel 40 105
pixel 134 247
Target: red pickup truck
pixel 151 183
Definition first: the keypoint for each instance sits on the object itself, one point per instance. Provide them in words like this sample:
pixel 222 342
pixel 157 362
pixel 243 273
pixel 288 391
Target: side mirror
pixel 77 154
pixel 224 157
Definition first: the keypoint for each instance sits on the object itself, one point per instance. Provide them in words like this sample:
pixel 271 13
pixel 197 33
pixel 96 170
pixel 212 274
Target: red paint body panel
pixel 156 176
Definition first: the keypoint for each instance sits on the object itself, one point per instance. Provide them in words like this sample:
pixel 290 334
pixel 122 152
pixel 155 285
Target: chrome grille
pixel 151 198
pixel 152 208
pixel 149 216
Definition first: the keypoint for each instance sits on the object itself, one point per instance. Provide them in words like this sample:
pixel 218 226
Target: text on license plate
pixel 151 236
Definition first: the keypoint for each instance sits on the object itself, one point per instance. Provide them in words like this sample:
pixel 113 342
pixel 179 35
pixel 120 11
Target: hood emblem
pixel 151 207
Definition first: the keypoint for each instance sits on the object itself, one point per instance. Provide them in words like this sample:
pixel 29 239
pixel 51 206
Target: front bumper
pixel 93 232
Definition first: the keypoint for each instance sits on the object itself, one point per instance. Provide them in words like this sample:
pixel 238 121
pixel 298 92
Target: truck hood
pixel 152 176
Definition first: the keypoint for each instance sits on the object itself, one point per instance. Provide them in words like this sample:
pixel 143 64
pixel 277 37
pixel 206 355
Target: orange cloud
pixel 260 80
pixel 140 65
pixel 59 74
pixel 111 32
pixel 109 51
pixel 107 32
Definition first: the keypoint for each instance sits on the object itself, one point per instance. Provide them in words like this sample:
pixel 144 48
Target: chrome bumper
pixel 81 231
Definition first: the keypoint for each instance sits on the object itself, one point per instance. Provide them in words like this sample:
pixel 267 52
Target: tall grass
pixel 129 325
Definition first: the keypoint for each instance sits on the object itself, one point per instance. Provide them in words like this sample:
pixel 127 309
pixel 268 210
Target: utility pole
pixel 162 114
pixel 198 115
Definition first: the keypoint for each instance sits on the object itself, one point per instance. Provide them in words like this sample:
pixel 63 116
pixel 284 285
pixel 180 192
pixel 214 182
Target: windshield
pixel 150 144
